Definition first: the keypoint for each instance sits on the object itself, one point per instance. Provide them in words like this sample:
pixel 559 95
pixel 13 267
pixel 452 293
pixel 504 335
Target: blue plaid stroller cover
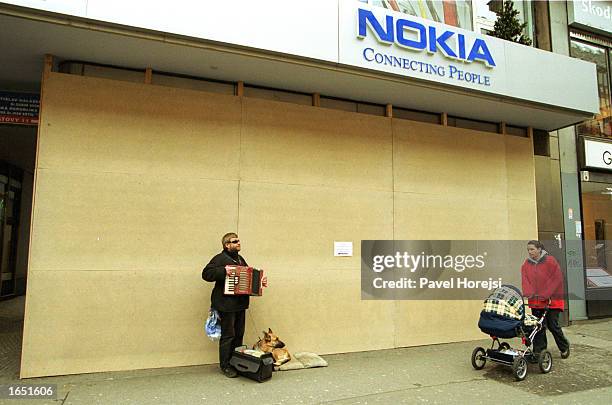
pixel 504 314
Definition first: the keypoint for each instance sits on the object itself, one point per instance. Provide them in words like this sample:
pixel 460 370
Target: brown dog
pixel 272 344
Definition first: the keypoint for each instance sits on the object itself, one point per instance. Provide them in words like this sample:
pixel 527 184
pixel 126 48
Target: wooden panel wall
pixel 137 183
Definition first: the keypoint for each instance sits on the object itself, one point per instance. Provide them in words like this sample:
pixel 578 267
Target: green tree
pixel 508 26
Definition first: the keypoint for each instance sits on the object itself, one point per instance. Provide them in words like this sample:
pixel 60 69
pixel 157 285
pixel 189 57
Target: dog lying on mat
pixel 272 344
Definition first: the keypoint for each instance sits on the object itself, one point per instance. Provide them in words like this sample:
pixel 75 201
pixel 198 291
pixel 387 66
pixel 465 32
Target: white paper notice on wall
pixel 343 248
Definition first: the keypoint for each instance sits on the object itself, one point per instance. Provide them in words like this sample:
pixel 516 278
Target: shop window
pixel 473 124
pixel 597 219
pixel 516 131
pixel 541 143
pixel 138 76
pixel 485 15
pixel 457 13
pixel 193 83
pixel 10 205
pixel 114 73
pixel 352 106
pixel 338 104
pixel 416 115
pixel 103 71
pixel 373 109
pixel 278 95
pixel 287 96
pixel 601 125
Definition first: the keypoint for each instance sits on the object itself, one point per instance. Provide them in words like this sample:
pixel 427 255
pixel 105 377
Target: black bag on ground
pixel 253 367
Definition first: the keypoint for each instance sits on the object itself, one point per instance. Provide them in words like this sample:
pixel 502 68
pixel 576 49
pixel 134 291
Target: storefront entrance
pixel 596 184
pixel 17 158
pixel 597 217
pixel 10 202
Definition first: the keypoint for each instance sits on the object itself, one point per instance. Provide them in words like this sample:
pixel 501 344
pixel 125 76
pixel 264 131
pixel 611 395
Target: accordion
pixel 243 281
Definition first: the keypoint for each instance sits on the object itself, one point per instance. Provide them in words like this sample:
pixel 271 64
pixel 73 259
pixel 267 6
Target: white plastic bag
pixel 212 326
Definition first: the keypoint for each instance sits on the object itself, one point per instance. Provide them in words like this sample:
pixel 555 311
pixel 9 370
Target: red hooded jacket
pixel 543 278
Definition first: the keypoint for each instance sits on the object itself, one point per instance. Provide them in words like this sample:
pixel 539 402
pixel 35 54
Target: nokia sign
pixel 418 37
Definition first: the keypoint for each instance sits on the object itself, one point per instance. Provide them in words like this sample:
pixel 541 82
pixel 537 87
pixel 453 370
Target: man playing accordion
pixel 231 308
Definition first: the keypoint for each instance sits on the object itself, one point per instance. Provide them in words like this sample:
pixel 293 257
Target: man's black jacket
pixel 215 271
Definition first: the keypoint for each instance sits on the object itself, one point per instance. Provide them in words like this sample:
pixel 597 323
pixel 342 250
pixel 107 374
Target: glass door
pixel 10 201
pixel 597 226
pixel 601 125
pixel 597 219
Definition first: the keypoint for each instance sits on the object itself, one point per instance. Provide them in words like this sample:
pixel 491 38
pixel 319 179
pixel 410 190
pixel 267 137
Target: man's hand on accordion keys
pixel 243 280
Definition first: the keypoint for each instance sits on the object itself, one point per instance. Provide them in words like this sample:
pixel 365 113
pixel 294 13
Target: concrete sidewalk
pixel 428 374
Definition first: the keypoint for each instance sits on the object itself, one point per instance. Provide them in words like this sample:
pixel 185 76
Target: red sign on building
pixel 19 108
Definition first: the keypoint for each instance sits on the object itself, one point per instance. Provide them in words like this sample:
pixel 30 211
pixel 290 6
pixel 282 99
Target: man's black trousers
pixel 232 331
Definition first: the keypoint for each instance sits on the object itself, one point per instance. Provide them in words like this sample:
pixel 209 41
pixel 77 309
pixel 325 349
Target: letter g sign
pixel 607 158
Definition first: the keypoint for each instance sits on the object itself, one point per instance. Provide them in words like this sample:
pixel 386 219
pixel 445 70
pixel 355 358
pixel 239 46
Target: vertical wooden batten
pixel 240 89
pixel 148 76
pixel 316 100
pixel 47 68
pixel 444 119
pixel 389 110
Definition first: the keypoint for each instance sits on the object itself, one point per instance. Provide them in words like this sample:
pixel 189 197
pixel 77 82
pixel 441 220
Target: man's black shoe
pixel 230 372
pixel 565 354
pixel 533 359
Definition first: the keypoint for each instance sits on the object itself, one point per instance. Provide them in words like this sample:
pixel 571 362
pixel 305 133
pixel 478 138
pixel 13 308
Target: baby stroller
pixel 504 317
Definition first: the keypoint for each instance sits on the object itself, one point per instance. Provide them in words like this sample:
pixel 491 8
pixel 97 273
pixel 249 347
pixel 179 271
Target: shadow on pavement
pixel 586 369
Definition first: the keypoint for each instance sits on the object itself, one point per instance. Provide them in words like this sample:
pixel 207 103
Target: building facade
pixel 164 126
pixel 590 36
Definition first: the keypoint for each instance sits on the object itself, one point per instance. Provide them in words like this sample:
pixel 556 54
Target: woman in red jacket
pixel 543 280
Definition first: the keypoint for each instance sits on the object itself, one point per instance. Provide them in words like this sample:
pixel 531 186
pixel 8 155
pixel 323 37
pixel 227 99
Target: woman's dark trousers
pixel 551 322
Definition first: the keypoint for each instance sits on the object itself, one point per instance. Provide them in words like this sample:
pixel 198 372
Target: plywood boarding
pixel 453 184
pixel 136 184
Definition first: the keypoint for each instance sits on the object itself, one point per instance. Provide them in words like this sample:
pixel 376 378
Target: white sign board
pixel 379 39
pixel 598 155
pixel 343 248
pixel 592 15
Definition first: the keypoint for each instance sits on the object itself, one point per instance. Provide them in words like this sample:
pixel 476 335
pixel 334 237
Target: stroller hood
pixel 503 312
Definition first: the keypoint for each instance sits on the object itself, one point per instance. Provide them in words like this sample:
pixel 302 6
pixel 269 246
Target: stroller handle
pixel 537 297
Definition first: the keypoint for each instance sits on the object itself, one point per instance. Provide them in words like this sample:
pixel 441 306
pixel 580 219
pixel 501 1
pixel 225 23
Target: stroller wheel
pixel 504 346
pixel 545 361
pixel 478 361
pixel 519 368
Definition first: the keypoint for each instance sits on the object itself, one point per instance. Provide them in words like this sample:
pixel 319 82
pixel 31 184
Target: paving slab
pixel 435 374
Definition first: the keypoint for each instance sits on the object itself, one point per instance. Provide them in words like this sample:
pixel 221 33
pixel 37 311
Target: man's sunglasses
pixel 234 241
